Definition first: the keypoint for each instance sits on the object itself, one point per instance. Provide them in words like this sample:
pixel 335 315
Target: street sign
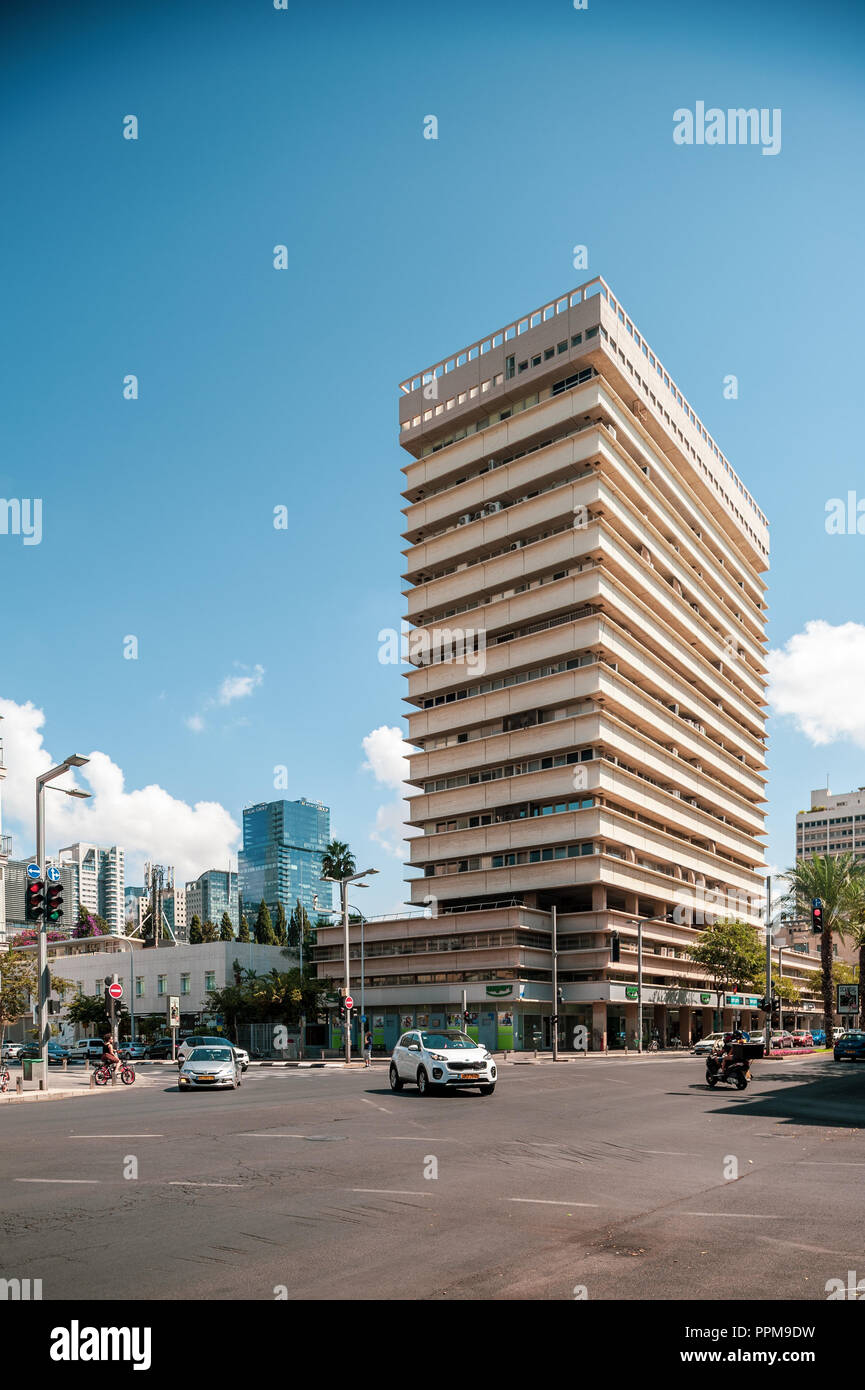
pixel 33 871
pixel 349 1002
pixel 52 874
pixel 115 990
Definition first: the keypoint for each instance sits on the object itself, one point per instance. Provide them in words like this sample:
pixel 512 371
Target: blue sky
pixel 260 388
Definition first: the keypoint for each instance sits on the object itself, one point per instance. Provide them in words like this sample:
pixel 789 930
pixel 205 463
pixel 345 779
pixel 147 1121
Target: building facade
pixel 834 824
pixel 5 850
pixel 16 881
pixel 100 880
pixel 586 688
pixel 280 861
pixel 210 895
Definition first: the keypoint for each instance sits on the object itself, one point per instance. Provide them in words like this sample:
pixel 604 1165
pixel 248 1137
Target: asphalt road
pixel 627 1178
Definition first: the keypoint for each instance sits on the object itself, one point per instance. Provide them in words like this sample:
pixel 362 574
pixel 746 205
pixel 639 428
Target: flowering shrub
pixel 30 936
pixel 88 928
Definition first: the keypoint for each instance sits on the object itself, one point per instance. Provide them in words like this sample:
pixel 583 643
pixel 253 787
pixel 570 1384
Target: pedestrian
pixel 367 1048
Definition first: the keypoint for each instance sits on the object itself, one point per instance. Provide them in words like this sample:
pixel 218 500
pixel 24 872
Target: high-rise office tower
pixel 100 882
pixel 280 861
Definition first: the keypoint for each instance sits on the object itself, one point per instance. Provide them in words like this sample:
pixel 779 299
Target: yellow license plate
pixel 207 1078
pixel 468 1076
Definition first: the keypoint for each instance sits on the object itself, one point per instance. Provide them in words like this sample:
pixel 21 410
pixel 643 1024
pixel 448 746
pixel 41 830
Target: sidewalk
pixel 62 1085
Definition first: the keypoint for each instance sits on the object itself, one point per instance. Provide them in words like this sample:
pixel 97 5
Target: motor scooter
pixel 737 1073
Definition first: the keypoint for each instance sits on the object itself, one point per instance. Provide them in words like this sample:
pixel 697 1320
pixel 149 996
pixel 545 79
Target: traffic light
pixel 34 906
pixel 54 903
pixel 342 1008
pixel 615 947
pixel 560 995
pixel 816 916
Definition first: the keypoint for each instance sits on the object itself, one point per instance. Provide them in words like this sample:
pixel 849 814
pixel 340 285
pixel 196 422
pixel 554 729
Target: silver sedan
pixel 208 1068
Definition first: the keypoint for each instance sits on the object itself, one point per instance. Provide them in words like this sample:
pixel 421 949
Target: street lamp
pixel 343 893
pixel 44 975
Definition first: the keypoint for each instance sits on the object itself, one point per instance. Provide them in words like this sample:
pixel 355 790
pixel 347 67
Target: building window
pixel 161 984
pixel 139 986
pixel 209 979
pixel 184 984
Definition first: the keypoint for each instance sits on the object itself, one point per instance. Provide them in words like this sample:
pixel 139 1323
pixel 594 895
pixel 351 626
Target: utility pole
pixel 555 1019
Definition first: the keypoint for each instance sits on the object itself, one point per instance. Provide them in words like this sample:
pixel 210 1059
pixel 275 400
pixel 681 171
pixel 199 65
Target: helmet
pixel 728 1037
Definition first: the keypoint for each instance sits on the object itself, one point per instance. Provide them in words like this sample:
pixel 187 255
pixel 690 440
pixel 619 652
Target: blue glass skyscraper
pixel 280 861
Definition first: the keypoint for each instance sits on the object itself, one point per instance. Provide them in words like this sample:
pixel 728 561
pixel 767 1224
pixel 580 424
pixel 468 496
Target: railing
pixel 5 846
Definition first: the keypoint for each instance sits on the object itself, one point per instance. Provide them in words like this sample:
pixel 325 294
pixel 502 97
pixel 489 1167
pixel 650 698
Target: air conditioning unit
pixel 515 545
pixel 464 519
pixel 494 507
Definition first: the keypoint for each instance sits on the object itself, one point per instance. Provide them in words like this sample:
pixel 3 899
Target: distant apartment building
pixel 833 825
pixel 210 895
pixel 99 880
pixel 132 899
pixel 586 693
pixel 280 861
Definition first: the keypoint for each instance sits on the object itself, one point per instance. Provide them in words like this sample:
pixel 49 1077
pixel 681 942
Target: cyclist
pixel 109 1056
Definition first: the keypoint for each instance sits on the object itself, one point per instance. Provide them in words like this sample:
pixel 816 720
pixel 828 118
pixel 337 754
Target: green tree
pixel 89 1011
pixel 731 953
pixel 337 860
pixel 18 983
pixel 209 931
pixel 243 933
pixel 226 930
pixel 264 933
pixel 195 936
pixel 298 924
pixel 281 930
pixel 839 882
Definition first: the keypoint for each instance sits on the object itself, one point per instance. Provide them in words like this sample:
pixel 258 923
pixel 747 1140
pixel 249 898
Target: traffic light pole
pixel 767 1027
pixel 42 972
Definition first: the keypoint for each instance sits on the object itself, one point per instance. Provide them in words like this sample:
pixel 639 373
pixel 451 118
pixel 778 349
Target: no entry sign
pixel 116 991
pixel 349 1002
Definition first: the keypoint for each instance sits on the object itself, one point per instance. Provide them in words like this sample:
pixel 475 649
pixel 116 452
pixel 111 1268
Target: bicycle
pixel 652 1046
pixel 105 1073
pixel 5 1079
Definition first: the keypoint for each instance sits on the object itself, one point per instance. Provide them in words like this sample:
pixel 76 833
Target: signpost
pixel 115 989
pixel 174 1022
pixel 52 874
pixel 33 871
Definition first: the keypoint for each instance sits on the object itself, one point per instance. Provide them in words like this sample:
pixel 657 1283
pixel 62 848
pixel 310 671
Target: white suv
pixel 435 1058
pixel 201 1040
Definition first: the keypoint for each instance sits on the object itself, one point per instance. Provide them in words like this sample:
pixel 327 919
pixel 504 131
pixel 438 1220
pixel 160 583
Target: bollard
pixel 92 1080
pixel 65 1060
pixel 19 1085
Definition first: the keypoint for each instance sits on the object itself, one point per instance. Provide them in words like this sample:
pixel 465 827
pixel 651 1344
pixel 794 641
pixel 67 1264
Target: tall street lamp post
pixel 343 892
pixel 44 975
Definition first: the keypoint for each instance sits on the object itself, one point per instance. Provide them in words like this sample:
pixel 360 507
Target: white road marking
pixel 670 1153
pixel 363 1100
pixel 736 1215
pixel 391 1191
pixel 543 1202
pixel 828 1163
pixel 117 1136
pixel 77 1181
pixel 204 1184
pixel 815 1249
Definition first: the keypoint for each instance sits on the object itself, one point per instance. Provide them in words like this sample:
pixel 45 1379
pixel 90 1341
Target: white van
pixel 86 1049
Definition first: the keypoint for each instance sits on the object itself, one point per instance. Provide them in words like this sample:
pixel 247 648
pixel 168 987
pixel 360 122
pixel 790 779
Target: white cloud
pixel 387 758
pixel 148 822
pixel 194 722
pixel 238 687
pixel 817 679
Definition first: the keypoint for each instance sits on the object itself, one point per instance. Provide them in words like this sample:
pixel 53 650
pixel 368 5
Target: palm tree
pixel 856 938
pixel 337 861
pixel 839 882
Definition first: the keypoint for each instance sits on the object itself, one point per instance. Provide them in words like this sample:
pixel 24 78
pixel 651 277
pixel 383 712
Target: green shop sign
pixel 705 998
pixel 499 989
pixel 631 992
pixel 734 998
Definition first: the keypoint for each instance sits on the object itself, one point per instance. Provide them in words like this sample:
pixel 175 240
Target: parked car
pixel 11 1051
pixel 160 1049
pixel 838 1033
pixel 819 1037
pixel 780 1040
pixel 851 1045
pixel 132 1051
pixel 433 1059
pixel 707 1043
pixel 803 1037
pixel 209 1068
pixel 86 1050
pixel 188 1045
pixel 57 1053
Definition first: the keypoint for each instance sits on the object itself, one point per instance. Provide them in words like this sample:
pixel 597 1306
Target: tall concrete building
pixel 583 581
pixel 100 880
pixel 5 850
